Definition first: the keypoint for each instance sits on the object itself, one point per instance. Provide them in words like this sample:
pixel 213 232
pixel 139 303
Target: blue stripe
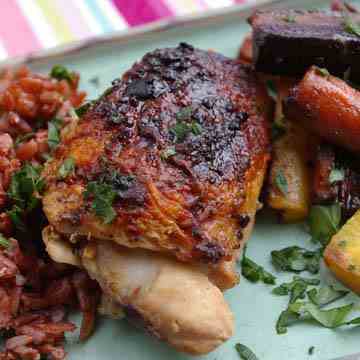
pixel 99 15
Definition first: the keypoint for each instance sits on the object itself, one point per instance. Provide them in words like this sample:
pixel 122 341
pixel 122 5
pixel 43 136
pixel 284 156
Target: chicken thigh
pixel 168 166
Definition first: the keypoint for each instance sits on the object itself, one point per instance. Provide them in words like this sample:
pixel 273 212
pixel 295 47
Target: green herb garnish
pixel 182 129
pixel 80 111
pixel 325 295
pixel 60 72
pixel 22 138
pixel 271 89
pixel 311 350
pixel 322 71
pixel 352 27
pixel 285 319
pixel 102 195
pixel 331 318
pixel 296 259
pixel 184 114
pixel 25 186
pixel 296 288
pixel 281 182
pixel 4 242
pixel 254 272
pixel 324 222
pixel 290 18
pixel 336 175
pixel 54 127
pixel 245 353
pixel 16 216
pixel 167 153
pixel 66 168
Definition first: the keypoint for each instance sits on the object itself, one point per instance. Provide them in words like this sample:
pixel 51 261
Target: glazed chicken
pixel 167 169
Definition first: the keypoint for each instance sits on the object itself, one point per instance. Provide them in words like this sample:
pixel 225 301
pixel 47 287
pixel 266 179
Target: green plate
pixel 100 61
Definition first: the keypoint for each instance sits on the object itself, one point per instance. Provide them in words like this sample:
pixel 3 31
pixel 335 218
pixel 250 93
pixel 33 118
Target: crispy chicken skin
pixel 194 204
pixel 182 140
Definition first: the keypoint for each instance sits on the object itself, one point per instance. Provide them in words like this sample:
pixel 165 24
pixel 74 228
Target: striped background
pixel 29 25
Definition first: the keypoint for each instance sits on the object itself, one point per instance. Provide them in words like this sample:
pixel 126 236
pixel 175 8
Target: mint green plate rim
pixel 99 61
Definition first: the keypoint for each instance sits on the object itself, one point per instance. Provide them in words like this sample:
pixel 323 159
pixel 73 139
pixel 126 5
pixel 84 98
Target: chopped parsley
pixel 296 288
pixel 102 196
pixel 22 138
pixel 66 168
pixel 311 350
pixel 336 175
pixel 102 193
pixel 4 242
pixel 16 217
pixel 326 295
pixel 254 272
pixel 271 89
pixel 281 182
pixel 296 259
pixel 352 27
pixel 25 186
pixel 54 127
pixel 167 153
pixel 60 72
pixel 245 353
pixel 286 318
pixel 80 111
pixel 290 18
pixel 324 222
pixel 323 72
pixel 184 114
pixel 331 318
pixel 182 129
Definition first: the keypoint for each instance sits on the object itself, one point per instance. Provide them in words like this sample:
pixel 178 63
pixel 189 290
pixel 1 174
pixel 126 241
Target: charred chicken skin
pixel 169 161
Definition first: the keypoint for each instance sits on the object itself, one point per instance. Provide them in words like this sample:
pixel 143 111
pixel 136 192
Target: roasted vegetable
pixel 328 106
pixel 324 190
pixel 288 42
pixel 342 255
pixel 289 181
pixel 337 179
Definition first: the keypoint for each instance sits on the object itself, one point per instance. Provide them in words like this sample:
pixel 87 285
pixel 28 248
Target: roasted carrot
pixel 327 106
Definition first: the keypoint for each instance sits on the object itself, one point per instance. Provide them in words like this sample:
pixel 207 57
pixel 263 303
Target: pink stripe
pixel 15 33
pixel 74 19
pixel 137 12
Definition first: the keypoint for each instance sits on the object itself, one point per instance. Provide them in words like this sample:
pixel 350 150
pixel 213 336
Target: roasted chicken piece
pixel 171 160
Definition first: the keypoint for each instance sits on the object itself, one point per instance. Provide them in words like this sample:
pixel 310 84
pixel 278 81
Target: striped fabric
pixel 30 25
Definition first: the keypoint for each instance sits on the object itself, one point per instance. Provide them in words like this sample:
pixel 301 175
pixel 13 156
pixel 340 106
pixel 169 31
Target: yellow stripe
pixel 56 21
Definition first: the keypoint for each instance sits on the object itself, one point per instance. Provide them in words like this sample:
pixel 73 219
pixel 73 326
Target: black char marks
pixel 147 100
pixel 288 42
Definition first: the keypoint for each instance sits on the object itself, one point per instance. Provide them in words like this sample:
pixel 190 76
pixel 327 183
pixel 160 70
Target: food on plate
pixel 328 106
pixel 342 255
pixel 337 178
pixel 288 42
pixel 289 185
pixel 169 162
pixel 175 301
pixel 36 292
pixel 146 197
